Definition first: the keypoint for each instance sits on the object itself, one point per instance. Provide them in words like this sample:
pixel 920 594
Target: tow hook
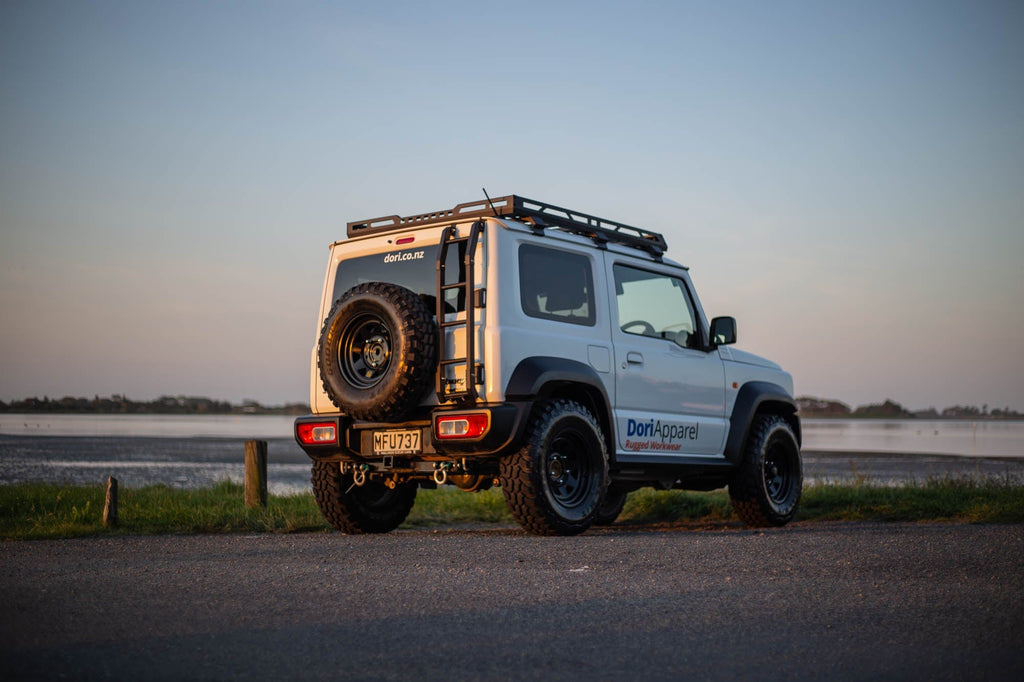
pixel 441 472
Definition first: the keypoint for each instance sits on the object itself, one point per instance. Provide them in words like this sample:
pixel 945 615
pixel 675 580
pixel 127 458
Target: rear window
pixel 556 285
pixel 414 269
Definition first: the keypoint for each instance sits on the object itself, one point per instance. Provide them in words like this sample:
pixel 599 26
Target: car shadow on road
pixel 633 528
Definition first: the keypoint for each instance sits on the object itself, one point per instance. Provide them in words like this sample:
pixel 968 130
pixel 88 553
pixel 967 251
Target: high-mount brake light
pixel 405 240
pixel 465 425
pixel 318 433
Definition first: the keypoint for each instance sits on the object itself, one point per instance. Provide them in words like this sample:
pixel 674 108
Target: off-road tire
pixel 555 482
pixel 370 508
pixel 377 351
pixel 766 488
pixel 611 506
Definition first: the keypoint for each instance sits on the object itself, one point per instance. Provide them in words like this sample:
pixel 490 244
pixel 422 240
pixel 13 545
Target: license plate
pixel 397 442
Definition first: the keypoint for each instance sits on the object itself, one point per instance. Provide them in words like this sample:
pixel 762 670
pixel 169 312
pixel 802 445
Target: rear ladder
pixel 447 388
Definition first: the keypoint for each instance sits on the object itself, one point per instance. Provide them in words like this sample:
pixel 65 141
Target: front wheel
pixel 766 489
pixel 369 508
pixel 555 482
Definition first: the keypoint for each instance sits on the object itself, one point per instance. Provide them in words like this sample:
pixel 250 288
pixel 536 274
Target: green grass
pixel 658 506
pixel 38 511
pixel 34 511
pixel 447 506
pixel 965 500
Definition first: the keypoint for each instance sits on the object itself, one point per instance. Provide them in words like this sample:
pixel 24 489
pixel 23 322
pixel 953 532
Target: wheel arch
pixel 551 378
pixel 756 398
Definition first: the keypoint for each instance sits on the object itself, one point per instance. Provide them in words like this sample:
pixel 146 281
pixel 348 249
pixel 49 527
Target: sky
pixel 846 179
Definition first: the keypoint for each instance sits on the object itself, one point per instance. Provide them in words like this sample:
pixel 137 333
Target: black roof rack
pixel 536 213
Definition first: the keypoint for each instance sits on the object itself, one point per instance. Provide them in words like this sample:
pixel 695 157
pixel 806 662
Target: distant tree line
pixel 118 404
pixel 890 409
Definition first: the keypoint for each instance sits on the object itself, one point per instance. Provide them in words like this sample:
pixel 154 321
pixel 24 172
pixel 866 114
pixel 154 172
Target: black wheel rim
pixel 569 469
pixel 781 472
pixel 365 350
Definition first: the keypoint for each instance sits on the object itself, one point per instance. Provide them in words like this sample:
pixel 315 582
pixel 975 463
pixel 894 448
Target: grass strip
pixel 35 511
pixel 46 511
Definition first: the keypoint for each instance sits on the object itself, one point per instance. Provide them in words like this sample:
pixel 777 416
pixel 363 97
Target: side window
pixel 556 285
pixel 655 305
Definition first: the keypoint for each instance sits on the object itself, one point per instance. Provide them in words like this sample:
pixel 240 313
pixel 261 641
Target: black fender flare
pixel 754 396
pixel 542 375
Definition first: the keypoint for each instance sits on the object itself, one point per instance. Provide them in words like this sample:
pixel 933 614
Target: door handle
pixel 634 358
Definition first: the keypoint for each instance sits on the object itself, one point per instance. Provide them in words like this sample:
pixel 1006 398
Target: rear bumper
pixel 355 438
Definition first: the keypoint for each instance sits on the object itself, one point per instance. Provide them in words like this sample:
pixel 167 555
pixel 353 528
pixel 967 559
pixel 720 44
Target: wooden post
pixel 110 505
pixel 255 473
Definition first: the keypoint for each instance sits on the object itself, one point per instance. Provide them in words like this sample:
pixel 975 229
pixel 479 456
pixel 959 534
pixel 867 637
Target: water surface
pixel 916 436
pixel 191 451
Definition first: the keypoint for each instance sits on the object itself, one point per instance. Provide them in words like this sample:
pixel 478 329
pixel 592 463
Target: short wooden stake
pixel 110 505
pixel 255 473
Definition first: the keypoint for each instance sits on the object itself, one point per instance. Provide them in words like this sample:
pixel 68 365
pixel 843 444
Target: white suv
pixel 556 354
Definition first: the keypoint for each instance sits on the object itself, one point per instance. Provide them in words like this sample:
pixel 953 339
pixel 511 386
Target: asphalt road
pixel 811 601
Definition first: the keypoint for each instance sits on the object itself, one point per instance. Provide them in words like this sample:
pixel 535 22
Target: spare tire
pixel 378 351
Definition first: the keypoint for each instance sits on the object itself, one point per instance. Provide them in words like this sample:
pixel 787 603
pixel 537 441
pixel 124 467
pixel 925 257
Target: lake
pixel 916 436
pixel 191 451
pixel 907 436
pixel 245 426
pixel 182 451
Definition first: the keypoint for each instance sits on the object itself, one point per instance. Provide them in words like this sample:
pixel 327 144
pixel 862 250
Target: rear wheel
pixel 369 508
pixel 766 489
pixel 555 482
pixel 611 506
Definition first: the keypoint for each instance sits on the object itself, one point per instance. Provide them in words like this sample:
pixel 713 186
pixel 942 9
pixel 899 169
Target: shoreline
pixel 199 462
pixel 882 454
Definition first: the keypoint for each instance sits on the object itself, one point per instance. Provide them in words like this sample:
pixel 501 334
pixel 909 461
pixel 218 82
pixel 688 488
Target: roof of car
pixel 539 216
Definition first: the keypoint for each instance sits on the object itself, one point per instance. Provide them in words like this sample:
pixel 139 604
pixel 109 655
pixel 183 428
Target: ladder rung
pixel 466 289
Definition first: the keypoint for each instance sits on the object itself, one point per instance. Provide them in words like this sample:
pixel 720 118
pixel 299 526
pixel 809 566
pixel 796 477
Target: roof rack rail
pixel 538 214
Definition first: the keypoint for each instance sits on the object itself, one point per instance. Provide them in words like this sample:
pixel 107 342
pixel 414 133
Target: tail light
pixel 462 425
pixel 317 433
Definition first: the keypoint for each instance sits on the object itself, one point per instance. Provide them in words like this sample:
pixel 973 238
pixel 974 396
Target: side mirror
pixel 723 331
